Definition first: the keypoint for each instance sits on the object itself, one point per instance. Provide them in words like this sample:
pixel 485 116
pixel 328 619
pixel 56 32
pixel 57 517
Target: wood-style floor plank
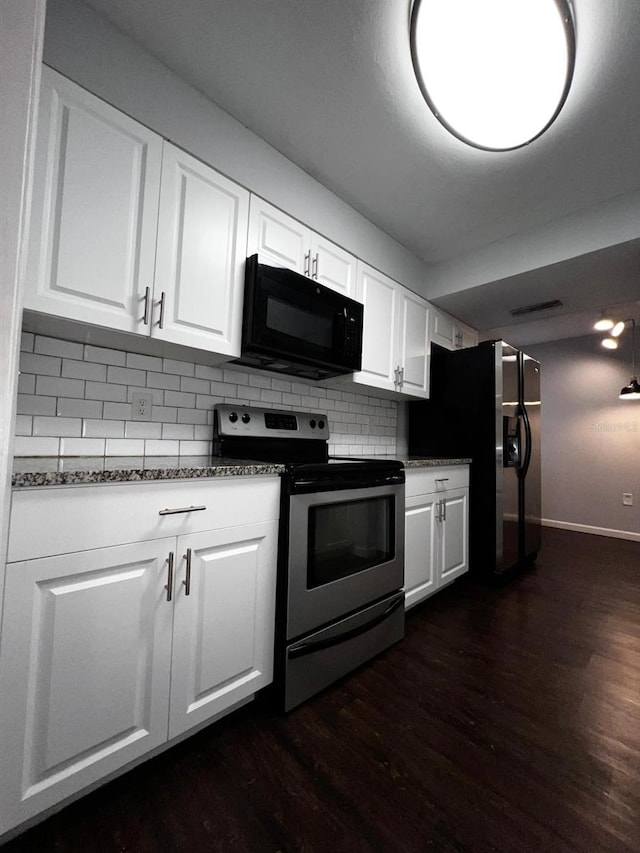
pixel 507 720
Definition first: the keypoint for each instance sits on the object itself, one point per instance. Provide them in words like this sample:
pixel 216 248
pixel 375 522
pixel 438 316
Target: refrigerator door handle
pixel 527 430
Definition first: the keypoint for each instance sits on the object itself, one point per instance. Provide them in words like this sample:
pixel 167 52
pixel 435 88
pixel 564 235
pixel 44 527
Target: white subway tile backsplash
pixel 102 429
pixel 143 362
pixel 32 404
pixel 179 431
pixel 72 408
pixel 124 447
pixel 43 425
pixel 77 399
pixel 166 381
pixel 195 386
pixel 105 356
pixel 55 346
pixel 82 446
pixel 51 386
pixel 117 411
pixel 24 424
pixel 45 365
pixel 84 370
pixel 180 398
pixel 126 376
pixel 26 383
pixel 161 448
pixel 107 392
pixel 183 368
pixel 28 445
pixel 142 429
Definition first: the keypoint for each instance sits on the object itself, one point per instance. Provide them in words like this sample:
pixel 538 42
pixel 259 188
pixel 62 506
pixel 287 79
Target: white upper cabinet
pixel 395 345
pixel 281 241
pixel 129 232
pixel 451 333
pixel 200 256
pixel 95 207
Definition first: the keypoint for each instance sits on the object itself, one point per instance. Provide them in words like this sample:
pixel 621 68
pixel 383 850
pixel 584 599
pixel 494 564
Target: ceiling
pixel 330 84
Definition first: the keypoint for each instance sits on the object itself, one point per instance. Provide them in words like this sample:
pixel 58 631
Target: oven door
pixel 346 550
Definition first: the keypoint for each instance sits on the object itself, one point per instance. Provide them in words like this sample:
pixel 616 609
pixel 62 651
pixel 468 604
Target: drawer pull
pixel 441 479
pixel 181 509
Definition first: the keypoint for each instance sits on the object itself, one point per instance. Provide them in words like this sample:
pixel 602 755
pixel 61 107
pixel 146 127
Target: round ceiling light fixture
pixel 494 72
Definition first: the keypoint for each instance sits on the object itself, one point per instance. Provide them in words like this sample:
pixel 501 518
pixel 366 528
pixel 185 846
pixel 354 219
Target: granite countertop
pixel 75 470
pixel 63 471
pixel 433 461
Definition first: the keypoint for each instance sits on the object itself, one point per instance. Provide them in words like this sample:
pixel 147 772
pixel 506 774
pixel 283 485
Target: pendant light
pixel 632 390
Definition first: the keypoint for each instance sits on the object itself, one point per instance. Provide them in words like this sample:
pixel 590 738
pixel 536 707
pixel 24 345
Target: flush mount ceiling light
pixel 494 72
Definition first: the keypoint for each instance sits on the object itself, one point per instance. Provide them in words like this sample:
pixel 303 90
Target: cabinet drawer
pixel 61 520
pixel 423 481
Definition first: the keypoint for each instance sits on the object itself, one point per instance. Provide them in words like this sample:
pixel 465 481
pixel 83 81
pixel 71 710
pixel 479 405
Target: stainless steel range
pixel 341 546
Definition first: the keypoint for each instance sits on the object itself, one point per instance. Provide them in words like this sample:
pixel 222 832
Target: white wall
pixel 590 438
pixel 86 48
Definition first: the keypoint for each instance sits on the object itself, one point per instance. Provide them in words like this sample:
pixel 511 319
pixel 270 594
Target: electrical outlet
pixel 627 498
pixel 141 403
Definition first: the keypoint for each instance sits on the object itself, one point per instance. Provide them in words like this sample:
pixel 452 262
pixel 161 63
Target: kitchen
pixel 335 216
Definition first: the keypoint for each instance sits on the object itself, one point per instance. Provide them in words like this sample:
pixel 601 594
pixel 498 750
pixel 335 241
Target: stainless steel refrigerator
pixel 485 404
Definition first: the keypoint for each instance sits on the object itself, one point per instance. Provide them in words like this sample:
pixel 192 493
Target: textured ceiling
pixel 330 84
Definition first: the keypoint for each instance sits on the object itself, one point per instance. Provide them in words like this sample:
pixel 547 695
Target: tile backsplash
pixel 75 400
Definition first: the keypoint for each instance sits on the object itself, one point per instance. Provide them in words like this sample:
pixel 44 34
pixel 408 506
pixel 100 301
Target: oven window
pixel 348 537
pixel 299 322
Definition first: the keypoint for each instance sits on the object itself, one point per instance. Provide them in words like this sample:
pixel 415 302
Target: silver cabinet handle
pixel 307 263
pixel 181 509
pixel 444 510
pixel 439 511
pixel 396 373
pixel 401 382
pixel 169 584
pixel 314 267
pixel 161 304
pixel 187 580
pixel 147 305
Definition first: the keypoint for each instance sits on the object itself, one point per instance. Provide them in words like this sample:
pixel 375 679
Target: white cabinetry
pixel 451 333
pixel 436 529
pixel 111 651
pixel 395 344
pixel 281 241
pixel 114 243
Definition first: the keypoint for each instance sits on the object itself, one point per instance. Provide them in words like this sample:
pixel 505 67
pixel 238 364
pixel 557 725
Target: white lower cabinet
pixel 109 653
pixel 436 530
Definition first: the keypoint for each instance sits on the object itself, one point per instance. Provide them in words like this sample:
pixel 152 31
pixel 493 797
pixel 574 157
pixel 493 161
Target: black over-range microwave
pixel 294 325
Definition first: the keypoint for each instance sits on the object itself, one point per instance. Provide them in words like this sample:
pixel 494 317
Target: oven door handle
pixel 307 648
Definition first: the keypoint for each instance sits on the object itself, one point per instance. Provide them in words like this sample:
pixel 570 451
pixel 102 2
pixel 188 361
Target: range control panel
pixel 254 422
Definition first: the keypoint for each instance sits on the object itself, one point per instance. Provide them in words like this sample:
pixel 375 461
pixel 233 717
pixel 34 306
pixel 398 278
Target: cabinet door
pixel 279 240
pixel 84 671
pixel 454 536
pixel 332 266
pixel 202 239
pixel 95 209
pixel 420 578
pixel 223 631
pixel 465 336
pixel 443 330
pixel 413 343
pixel 379 295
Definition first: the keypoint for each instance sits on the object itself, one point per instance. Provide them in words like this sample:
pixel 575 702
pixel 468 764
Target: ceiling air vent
pixel 540 306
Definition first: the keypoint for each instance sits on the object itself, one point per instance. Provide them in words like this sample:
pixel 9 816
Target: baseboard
pixel 587 528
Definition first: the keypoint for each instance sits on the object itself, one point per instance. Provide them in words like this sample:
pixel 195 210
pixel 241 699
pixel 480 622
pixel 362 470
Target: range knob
pixel 246 418
pixel 321 424
pixel 312 423
pixel 233 417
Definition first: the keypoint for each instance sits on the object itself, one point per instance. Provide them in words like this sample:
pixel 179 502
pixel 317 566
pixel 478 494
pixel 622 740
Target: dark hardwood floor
pixel 507 720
